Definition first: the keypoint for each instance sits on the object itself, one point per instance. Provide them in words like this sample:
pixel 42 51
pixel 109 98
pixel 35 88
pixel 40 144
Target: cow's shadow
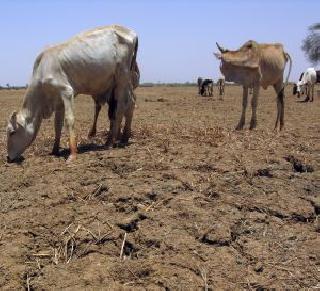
pixel 303 101
pixel 91 147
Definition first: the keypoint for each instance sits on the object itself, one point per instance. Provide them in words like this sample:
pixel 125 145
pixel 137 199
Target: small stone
pixel 258 267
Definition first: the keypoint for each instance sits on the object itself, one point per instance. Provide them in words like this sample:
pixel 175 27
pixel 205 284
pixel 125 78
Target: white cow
pixel 99 102
pixel 306 83
pixel 98 62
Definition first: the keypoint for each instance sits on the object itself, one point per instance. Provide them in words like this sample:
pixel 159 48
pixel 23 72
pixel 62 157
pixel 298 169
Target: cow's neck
pixel 31 110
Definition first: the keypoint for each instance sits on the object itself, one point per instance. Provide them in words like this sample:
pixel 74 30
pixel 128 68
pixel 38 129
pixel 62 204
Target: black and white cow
pixel 207 87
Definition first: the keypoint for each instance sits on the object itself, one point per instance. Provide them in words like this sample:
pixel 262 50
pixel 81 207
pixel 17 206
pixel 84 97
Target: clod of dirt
pixel 132 225
pixel 129 249
pixel 218 236
pixel 211 240
pixel 258 267
pixel 298 166
pixel 97 192
pixel 264 173
pixel 316 204
pixel 205 168
pixel 152 195
pixel 152 243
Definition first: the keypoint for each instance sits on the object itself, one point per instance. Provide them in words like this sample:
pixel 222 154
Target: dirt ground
pixel 192 203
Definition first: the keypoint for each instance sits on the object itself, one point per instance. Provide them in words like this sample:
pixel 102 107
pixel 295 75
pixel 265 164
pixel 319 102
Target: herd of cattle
pixel 205 86
pixel 102 62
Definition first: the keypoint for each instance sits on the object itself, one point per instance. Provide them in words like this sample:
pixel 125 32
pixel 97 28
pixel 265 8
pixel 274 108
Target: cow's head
pixel 301 88
pixel 240 66
pixel 19 136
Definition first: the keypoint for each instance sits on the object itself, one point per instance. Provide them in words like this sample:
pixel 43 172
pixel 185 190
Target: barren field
pixel 190 204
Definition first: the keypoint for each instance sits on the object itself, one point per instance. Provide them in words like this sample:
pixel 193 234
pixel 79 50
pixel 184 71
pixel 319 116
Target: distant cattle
pixel 99 63
pixel 301 89
pixel 256 65
pixel 221 85
pixel 306 84
pixel 199 82
pixel 207 87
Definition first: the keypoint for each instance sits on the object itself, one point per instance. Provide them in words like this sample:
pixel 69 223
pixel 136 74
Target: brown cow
pixel 256 65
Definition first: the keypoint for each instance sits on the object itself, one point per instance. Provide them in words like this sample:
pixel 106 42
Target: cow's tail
pixel 134 57
pixel 288 58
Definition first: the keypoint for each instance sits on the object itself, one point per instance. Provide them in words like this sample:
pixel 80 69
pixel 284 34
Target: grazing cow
pixel 98 62
pixel 221 85
pixel 206 87
pixel 301 89
pixel 306 84
pixel 256 65
pixel 99 102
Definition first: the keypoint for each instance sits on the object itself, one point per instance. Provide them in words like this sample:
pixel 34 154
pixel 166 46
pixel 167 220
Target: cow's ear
pixel 218 56
pixel 12 125
pixel 246 61
pixel 13 119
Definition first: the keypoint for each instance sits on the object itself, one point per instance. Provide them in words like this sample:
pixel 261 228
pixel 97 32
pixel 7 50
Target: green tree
pixel 311 44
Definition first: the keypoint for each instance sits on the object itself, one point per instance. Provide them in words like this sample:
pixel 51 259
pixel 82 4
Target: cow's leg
pixel 58 123
pixel 128 115
pixel 112 115
pixel 244 108
pixel 93 130
pixel 116 112
pixel 68 101
pixel 312 93
pixel 280 104
pixel 254 105
pixel 306 92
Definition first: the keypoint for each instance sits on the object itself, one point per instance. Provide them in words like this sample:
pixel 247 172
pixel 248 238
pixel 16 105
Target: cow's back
pixel 91 60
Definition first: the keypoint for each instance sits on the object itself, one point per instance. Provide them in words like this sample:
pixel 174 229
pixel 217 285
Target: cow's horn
pixel 221 49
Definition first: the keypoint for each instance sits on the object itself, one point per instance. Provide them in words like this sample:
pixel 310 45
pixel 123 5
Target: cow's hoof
pixel 71 158
pixel 92 134
pixel 55 152
pixel 239 127
pixel 109 145
pixel 253 125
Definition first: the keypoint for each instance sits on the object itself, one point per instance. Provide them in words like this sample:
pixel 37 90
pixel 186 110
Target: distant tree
pixel 311 44
pixel 8 85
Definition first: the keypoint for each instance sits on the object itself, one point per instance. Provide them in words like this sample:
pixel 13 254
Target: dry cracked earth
pixel 189 204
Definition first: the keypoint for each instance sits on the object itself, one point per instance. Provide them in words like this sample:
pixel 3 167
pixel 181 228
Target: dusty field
pixel 202 206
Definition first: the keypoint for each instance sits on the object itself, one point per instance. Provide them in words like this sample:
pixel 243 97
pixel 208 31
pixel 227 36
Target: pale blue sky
pixel 176 38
